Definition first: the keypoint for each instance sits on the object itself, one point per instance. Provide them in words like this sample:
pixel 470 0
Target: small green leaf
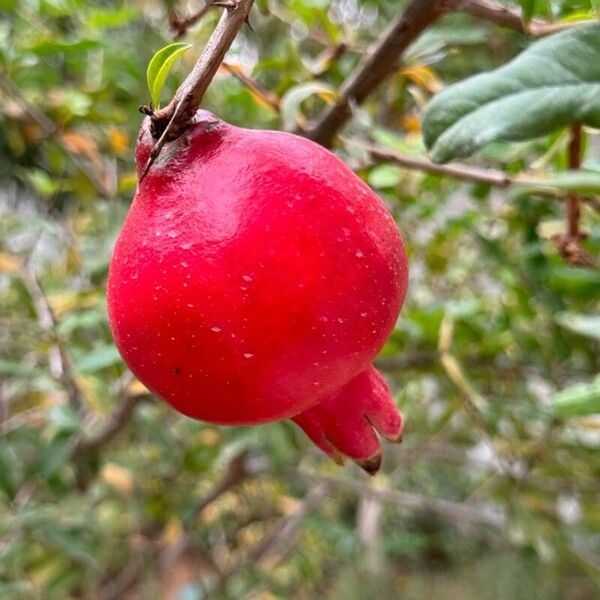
pixel 100 358
pixel 554 83
pixel 578 400
pixel 384 176
pixel 528 8
pixel 160 66
pixel 585 182
pixel 291 101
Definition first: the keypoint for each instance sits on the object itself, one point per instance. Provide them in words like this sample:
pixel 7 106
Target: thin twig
pixel 570 245
pixel 378 63
pixel 256 88
pixel 276 544
pixel 181 25
pixel 465 513
pixel 573 208
pixel 513 19
pixel 59 362
pixel 86 446
pixel 493 177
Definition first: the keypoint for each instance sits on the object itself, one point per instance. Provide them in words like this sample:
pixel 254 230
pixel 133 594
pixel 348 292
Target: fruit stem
pixel 188 97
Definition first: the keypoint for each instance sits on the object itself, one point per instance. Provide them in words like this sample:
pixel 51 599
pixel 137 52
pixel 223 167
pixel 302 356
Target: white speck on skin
pixel 215 329
pixel 248 355
pixel 359 254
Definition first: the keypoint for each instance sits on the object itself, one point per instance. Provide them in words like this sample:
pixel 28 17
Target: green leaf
pixel 528 8
pixel 100 358
pixel 554 83
pixel 578 400
pixel 588 325
pixel 292 100
pixel 585 182
pixel 384 176
pixel 160 66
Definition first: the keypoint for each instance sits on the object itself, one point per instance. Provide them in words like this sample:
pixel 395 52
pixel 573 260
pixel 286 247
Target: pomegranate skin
pixel 255 276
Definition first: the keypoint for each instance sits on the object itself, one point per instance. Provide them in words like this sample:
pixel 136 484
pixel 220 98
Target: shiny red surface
pixel 255 274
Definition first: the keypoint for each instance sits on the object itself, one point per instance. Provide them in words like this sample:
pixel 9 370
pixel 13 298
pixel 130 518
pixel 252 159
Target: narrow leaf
pixel 160 66
pixel 554 83
pixel 528 8
pixel 578 400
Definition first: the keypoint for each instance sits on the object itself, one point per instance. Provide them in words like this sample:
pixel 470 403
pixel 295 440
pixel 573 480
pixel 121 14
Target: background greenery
pixel 491 496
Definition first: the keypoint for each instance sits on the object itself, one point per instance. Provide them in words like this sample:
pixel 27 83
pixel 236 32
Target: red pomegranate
pixel 255 279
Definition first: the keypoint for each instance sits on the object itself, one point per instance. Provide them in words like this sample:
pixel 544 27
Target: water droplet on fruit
pixel 359 254
pixel 246 277
pixel 350 210
pixel 184 264
pixel 363 314
pixel 248 355
pixel 215 329
pixel 172 234
pixel 190 305
pixel 186 246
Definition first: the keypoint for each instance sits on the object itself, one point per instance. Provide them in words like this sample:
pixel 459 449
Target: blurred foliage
pixel 494 494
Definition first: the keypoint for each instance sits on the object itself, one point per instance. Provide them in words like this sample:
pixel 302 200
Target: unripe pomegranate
pixel 255 279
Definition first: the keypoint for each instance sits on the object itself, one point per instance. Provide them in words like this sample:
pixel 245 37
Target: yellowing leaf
pixel 172 532
pixel 9 263
pixel 136 388
pixel 117 138
pixel 424 77
pixel 210 437
pixel 118 477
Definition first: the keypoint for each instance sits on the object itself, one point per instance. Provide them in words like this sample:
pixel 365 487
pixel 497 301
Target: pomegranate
pixel 255 279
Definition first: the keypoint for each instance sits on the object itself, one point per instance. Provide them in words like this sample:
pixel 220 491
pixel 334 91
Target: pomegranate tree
pixel 255 279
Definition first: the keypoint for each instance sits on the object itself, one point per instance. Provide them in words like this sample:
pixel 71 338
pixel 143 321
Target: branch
pixel 276 544
pixel 186 101
pixel 492 177
pixel 465 513
pixel 180 26
pixel 114 424
pixel 59 362
pixel 378 64
pixel 463 172
pixel 513 19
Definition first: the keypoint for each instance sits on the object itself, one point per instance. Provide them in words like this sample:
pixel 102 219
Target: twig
pixel 59 362
pixel 181 26
pixel 237 472
pixel 190 93
pixel 256 88
pixel 569 245
pixel 276 544
pixel 52 132
pixel 492 177
pixel 378 64
pixel 573 209
pixel 86 446
pixel 466 513
pixel 513 19
pixel 422 163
